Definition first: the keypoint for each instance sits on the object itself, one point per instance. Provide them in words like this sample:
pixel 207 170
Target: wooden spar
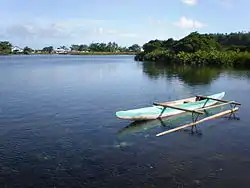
pixel 208 107
pixel 220 100
pixel 177 108
pixel 215 106
pixel 200 121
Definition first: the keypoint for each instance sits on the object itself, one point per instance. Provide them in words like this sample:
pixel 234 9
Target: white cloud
pixel 56 32
pixel 190 2
pixel 52 30
pixel 187 23
pixel 45 29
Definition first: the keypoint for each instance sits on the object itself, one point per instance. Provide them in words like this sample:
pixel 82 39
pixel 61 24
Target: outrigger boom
pixel 199 121
pixel 198 111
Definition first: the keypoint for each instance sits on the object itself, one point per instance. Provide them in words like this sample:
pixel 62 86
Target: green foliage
pixel 74 47
pixel 191 43
pixel 200 49
pixel 152 45
pixel 5 47
pixel 134 48
pixel 159 45
pixel 242 60
pixel 93 48
pixel 140 56
pixel 207 58
pixel 159 55
pixel 27 50
pixel 83 47
pixel 110 47
pixel 97 47
pixel 48 49
pixel 195 42
pixel 240 40
pixel 168 44
pixel 105 47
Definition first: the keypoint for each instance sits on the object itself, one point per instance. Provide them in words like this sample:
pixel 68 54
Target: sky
pixel 45 22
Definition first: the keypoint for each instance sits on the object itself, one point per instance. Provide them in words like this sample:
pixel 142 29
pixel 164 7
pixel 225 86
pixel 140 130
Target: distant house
pixel 60 51
pixel 16 49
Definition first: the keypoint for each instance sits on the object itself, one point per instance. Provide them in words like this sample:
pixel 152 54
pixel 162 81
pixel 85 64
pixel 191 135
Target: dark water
pixel 58 126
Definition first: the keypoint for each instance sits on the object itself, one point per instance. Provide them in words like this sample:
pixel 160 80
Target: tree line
pixel 7 48
pixel 231 49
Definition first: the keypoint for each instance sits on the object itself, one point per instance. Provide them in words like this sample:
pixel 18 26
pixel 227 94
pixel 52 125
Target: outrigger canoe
pixel 170 108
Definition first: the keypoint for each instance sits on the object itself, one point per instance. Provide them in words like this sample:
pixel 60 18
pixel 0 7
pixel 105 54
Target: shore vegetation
pixel 200 49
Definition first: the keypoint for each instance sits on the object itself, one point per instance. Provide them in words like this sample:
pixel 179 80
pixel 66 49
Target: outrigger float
pixel 196 105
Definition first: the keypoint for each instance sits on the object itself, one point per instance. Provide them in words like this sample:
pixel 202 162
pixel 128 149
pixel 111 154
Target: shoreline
pixel 199 58
pixel 74 53
pixel 101 53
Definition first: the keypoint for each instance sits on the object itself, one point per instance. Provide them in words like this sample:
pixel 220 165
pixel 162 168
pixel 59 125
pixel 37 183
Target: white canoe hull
pixel 155 112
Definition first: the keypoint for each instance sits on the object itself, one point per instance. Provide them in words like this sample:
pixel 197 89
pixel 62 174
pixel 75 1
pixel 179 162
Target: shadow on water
pixel 170 123
pixel 144 126
pixel 238 73
pixel 188 74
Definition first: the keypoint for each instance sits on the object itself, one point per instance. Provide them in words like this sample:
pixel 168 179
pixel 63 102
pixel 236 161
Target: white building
pixel 61 51
pixel 16 49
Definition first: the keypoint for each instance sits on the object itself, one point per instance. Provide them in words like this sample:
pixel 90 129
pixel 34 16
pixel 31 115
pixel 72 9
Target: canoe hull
pixel 155 112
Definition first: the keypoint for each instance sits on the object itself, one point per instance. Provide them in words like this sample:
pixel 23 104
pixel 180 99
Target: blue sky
pixel 43 22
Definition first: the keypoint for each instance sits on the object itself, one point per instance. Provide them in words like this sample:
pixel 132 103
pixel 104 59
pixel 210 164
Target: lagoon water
pixel 58 126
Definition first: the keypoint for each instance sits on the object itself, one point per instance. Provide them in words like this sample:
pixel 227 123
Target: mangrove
pixel 224 50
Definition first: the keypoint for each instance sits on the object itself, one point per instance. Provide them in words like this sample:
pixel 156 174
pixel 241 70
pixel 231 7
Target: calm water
pixel 58 126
